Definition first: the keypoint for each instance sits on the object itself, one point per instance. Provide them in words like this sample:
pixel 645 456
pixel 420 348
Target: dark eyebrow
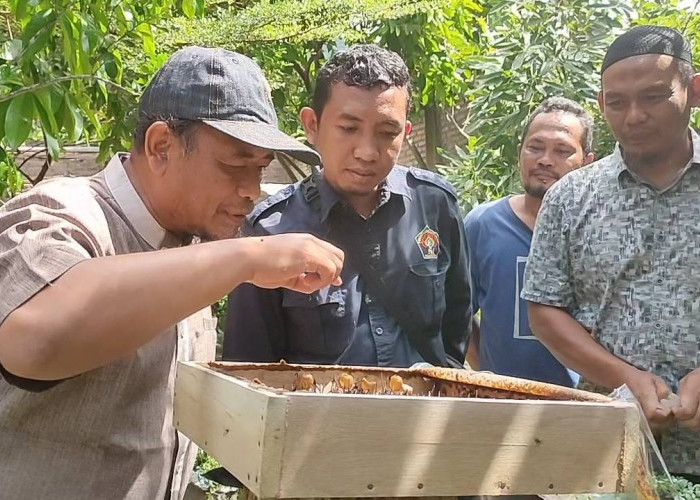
pixel 612 95
pixel 391 122
pixel 353 118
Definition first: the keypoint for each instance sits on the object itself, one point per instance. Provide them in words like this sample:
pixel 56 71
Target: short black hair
pixel 362 65
pixel 184 129
pixel 564 105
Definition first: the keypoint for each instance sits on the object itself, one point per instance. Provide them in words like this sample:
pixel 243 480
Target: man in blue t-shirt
pixel 557 139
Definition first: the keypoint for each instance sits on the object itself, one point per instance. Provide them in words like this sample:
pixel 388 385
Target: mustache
pixel 242 209
pixel 546 170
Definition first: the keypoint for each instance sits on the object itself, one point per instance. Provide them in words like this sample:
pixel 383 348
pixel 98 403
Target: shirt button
pixel 660 237
pixel 368 299
pixel 657 326
pixel 379 331
pixel 659 281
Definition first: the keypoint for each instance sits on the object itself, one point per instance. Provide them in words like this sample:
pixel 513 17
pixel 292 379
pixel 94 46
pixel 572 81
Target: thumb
pixel 662 389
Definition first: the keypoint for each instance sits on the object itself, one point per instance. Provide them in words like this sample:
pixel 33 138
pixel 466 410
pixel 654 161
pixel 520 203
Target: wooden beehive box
pixel 504 436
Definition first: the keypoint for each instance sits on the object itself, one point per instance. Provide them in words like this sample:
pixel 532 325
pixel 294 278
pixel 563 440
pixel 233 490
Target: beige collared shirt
pixel 107 433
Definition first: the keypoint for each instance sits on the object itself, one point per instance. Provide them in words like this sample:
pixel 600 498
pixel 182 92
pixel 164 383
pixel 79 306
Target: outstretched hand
pixel 297 261
pixel 650 390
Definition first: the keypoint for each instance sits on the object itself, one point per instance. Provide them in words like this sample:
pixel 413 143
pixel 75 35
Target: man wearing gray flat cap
pixel 101 288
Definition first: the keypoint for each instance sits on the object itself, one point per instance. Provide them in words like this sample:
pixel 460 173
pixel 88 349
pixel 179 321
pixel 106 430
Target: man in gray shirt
pixel 613 278
pixel 97 278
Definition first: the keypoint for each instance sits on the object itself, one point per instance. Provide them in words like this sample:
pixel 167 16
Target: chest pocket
pixel 317 324
pixel 425 293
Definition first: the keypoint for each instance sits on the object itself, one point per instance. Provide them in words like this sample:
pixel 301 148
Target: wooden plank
pixel 340 446
pixel 241 427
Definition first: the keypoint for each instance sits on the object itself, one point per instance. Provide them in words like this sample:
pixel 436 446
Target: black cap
pixel 227 91
pixel 642 40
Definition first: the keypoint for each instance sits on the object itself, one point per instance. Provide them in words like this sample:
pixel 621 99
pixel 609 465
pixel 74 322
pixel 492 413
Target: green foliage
pixel 64 74
pixel 291 40
pixel 213 490
pixel 676 489
pixel 534 49
pixel 436 45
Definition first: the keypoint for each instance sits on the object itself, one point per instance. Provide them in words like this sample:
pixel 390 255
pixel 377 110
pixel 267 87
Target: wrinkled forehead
pixel 556 125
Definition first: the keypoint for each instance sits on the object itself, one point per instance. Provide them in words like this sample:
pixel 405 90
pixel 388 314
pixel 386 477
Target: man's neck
pixel 526 208
pixel 363 204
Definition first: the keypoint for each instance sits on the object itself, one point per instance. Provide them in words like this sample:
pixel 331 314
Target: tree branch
pixel 325 25
pixel 690 16
pixel 28 158
pixel 416 154
pixel 303 74
pixel 67 78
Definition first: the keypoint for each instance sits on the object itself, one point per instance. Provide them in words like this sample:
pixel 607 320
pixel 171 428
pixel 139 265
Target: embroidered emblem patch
pixel 429 243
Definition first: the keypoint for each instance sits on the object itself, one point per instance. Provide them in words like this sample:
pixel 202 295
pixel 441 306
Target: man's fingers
pixel 306 283
pixel 688 412
pixel 663 391
pixel 337 252
pixel 328 261
pixel 334 254
pixel 650 390
pixel 650 401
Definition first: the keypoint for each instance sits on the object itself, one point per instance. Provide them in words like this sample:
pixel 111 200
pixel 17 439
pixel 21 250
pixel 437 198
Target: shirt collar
pixel 395 183
pixel 132 205
pixel 620 165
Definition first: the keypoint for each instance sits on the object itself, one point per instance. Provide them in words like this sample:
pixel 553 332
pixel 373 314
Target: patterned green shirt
pixel 623 258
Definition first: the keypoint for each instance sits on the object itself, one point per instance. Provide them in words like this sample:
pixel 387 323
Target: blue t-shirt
pixel 498 244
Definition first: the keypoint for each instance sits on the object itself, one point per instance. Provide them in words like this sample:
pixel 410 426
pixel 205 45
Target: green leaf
pixel 20 8
pixel 189 8
pixel 38 22
pixel 68 32
pixel 52 145
pixel 72 119
pixel 37 34
pixel 43 106
pixel 18 121
pixel 146 33
pixel 3 112
pixel 112 67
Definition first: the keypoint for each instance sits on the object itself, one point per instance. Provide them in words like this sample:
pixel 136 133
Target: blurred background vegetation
pixel 71 71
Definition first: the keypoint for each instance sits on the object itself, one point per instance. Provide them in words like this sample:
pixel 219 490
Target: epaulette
pixel 271 201
pixel 433 178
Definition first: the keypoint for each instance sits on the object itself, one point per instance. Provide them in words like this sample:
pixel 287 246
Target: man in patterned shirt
pixel 613 278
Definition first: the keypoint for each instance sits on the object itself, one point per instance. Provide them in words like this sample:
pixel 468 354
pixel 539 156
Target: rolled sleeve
pixel 42 235
pixel 548 278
